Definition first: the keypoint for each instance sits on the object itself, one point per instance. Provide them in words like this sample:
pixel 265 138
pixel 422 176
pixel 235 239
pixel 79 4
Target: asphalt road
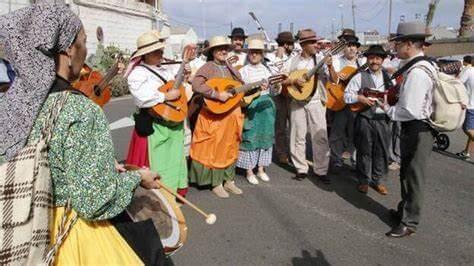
pixel 288 222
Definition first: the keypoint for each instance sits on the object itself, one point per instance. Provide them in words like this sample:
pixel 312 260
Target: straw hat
pixel 255 44
pixel 148 42
pixel 215 42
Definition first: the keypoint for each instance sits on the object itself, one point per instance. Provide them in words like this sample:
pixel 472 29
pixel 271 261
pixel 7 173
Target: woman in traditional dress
pixel 259 123
pixel 46 44
pixel 155 143
pixel 216 137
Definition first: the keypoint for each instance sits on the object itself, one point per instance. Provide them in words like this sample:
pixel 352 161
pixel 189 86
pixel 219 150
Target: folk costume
pixel 164 148
pixel 80 152
pixel 371 127
pixel 242 56
pixel 259 124
pixel 216 137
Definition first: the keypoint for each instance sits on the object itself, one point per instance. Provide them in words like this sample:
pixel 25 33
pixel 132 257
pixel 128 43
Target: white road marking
pixel 122 123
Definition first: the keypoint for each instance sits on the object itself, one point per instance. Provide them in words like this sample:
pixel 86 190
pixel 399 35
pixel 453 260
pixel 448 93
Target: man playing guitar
pixel 341 136
pixel 308 115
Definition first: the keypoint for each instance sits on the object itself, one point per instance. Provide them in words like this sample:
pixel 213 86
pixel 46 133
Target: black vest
pixel 368 82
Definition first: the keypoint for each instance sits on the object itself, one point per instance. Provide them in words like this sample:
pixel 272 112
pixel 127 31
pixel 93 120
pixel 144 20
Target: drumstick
pixel 210 218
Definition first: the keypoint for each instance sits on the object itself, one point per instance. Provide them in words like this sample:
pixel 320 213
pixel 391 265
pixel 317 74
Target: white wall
pixel 122 21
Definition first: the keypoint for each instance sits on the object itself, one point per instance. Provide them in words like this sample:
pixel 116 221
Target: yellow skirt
pixel 92 243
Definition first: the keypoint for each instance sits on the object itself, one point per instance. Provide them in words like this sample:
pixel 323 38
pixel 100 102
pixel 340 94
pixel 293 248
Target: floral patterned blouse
pixel 81 158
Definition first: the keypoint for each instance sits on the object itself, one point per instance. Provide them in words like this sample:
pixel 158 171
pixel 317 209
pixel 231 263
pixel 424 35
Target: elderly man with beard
pixel 371 127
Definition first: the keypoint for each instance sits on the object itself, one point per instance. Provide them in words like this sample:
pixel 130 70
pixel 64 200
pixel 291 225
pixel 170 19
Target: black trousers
pixel 416 144
pixel 371 140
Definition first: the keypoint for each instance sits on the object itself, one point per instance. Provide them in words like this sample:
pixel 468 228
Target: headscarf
pixel 33 37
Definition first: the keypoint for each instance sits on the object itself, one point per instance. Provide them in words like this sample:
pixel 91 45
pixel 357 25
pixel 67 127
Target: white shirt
pixel 242 58
pixel 275 63
pixel 144 85
pixel 253 73
pixel 298 62
pixel 416 94
pixel 339 62
pixel 196 64
pixel 467 77
pixel 352 89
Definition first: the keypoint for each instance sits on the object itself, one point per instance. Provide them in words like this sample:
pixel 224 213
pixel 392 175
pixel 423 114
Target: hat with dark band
pixel 376 50
pixel 411 31
pixel 238 32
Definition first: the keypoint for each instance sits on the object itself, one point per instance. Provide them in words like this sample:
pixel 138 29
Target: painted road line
pixel 122 123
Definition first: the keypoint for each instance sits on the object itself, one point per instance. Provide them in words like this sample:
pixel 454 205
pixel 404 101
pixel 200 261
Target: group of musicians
pixel 243 136
pixel 248 134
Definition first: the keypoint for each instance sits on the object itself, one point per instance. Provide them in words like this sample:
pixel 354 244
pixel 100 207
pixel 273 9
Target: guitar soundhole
pixel 96 90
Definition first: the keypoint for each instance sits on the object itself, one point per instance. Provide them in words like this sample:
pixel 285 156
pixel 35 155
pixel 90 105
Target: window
pixel 153 3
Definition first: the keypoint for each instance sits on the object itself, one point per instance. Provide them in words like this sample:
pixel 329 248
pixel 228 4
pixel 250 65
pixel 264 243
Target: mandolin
pixel 175 110
pixel 391 94
pixel 306 91
pixel 95 86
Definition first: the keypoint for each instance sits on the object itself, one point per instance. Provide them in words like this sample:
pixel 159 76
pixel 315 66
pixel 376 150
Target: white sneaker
pixel 252 180
pixel 264 177
pixel 231 187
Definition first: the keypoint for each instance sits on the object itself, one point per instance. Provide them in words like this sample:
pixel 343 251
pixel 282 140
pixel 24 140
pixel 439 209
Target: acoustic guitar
pixel 335 91
pixel 95 86
pixel 255 93
pixel 175 110
pixel 306 91
pixel 232 86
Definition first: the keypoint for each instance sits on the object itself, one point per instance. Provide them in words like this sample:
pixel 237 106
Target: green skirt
pixel 203 176
pixel 166 155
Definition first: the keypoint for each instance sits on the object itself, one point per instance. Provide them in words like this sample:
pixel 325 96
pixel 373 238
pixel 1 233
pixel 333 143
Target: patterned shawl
pixel 33 36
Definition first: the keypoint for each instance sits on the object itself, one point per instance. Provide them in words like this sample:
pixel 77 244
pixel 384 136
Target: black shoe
pixel 395 215
pixel 300 176
pixel 400 231
pixel 324 179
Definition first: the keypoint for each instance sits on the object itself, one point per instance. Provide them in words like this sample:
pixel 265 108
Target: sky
pixel 214 17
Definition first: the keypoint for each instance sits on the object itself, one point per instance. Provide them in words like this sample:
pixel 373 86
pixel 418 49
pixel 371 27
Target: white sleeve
pixel 352 89
pixel 412 97
pixel 464 75
pixel 144 89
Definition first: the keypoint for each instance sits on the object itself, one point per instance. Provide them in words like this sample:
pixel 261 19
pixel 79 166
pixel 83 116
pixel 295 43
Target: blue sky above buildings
pixel 316 14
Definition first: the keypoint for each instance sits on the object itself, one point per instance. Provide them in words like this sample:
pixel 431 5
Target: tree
pixel 467 19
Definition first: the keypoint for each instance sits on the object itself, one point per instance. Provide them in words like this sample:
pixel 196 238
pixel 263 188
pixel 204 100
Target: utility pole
pixel 353 16
pixel 332 29
pixel 231 26
pixel 279 27
pixel 389 17
pixel 291 28
pixel 342 16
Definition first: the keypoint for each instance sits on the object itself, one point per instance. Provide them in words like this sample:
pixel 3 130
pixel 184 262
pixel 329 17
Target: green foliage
pixel 103 60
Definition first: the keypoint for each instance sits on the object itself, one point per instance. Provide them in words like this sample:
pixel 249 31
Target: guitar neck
pixel 179 77
pixel 247 87
pixel 107 78
pixel 336 49
pixel 316 68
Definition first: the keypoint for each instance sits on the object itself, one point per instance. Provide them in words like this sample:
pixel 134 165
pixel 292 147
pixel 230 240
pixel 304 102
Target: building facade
pixel 117 22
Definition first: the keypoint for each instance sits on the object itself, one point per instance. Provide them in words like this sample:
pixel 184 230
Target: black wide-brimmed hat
pixel 349 36
pixel 238 32
pixel 376 50
pixel 413 30
pixel 285 37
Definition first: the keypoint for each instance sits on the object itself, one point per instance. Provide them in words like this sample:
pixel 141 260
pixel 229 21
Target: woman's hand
pixel 148 178
pixel 119 167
